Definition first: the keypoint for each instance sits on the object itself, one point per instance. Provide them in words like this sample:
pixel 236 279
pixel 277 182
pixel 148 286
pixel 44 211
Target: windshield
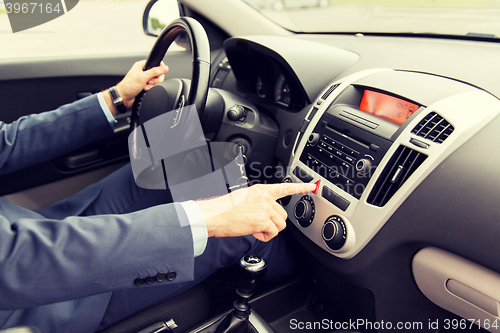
pixel 448 17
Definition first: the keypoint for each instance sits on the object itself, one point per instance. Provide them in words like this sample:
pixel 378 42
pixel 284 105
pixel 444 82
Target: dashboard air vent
pixel 401 166
pixel 433 127
pixel 329 91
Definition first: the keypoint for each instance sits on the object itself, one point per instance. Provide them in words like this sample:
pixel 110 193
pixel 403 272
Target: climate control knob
pixel 334 232
pixel 286 200
pixel 304 211
pixel 363 166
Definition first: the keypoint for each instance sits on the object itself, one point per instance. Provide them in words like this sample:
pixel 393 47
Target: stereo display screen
pixel 388 107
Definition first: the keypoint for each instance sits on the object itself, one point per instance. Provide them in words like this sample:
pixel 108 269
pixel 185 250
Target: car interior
pixel 395 129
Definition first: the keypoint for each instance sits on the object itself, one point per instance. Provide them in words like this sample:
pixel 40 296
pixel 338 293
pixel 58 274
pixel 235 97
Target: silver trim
pixel 323 229
pixel 256 266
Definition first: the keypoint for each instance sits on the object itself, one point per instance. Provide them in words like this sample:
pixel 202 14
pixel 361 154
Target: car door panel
pixel 33 86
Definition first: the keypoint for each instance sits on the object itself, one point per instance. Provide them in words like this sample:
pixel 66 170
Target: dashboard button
pixel 419 143
pixel 374 147
pixel 317 186
pixel 339 146
pixel 339 154
pixel 341 203
pixel 302 175
pixel 342 163
pixel 334 198
pixel 346 165
pixel 346 181
pixel 350 159
pixel 327 194
pixel 333 175
pixel 350 151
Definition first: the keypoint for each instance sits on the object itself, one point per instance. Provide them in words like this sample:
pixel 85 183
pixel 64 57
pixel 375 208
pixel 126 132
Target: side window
pixel 91 27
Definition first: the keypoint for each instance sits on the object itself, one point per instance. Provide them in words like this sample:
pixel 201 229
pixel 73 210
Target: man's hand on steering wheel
pixel 134 82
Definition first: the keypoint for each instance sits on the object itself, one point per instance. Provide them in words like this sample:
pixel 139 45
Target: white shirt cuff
pixel 105 109
pixel 198 226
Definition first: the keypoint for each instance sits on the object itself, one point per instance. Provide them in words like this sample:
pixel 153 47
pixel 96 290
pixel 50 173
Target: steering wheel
pixel 147 107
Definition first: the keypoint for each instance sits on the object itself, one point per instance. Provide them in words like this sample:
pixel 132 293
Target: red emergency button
pixel 317 187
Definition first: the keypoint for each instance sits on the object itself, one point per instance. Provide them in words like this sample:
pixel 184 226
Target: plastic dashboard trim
pixel 363 220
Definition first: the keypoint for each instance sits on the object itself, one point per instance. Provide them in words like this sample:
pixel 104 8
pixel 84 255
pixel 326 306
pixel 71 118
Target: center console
pixel 367 142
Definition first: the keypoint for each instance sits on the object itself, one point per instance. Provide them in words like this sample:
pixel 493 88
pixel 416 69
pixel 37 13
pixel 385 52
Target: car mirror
pixel 158 14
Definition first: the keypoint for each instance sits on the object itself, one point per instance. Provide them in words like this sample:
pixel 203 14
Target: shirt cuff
pixel 109 116
pixel 198 226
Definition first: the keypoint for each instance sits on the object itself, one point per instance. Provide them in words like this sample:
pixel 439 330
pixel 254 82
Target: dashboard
pixel 400 151
pixel 398 131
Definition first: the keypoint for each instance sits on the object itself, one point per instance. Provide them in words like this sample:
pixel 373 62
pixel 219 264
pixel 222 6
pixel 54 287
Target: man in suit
pixel 114 249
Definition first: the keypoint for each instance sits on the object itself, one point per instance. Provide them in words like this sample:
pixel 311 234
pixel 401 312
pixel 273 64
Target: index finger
pixel 284 189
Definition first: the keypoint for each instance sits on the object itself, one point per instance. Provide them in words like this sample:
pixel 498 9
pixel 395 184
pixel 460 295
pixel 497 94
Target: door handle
pixel 83 159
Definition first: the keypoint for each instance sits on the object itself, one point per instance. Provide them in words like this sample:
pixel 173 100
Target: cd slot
pixel 347 134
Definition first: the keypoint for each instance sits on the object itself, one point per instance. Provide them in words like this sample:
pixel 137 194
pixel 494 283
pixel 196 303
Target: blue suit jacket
pixel 58 275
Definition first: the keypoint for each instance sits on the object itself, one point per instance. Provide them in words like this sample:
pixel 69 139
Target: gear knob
pixel 253 263
pixel 253 269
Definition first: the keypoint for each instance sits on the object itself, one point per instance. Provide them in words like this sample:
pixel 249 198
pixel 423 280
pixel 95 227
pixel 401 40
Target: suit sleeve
pixel 41 137
pixel 46 261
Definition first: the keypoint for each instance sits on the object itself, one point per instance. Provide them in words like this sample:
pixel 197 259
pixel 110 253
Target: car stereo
pixel 351 138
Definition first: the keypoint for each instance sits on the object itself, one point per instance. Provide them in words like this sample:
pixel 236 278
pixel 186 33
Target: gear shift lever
pixel 253 268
